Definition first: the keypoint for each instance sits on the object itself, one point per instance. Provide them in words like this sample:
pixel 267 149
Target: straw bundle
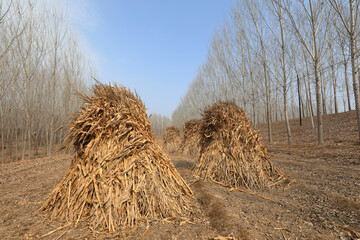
pixel 231 152
pixel 172 139
pixel 191 140
pixel 119 175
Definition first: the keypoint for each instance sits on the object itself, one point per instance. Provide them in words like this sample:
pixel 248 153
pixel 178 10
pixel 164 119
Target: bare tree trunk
pixel 253 103
pixel 322 87
pixel 276 103
pixel 51 137
pixel 288 130
pixel 308 102
pixel 268 106
pixel 252 87
pixel 309 88
pixel 347 86
pixel 254 10
pixel 16 136
pixel 2 136
pixel 317 85
pixel 318 105
pixel 47 138
pixel 346 80
pixel 56 37
pixel 354 64
pixel 24 144
pixel 10 141
pixel 29 138
pixel 299 96
pixel 334 82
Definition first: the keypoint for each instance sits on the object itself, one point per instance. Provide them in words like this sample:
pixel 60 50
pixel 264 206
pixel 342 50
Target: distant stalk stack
pixel 172 139
pixel 190 143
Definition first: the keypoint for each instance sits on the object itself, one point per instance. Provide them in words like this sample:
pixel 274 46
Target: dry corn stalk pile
pixel 191 140
pixel 231 152
pixel 119 175
pixel 172 139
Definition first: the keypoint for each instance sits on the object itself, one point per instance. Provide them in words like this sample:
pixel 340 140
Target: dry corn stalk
pixel 231 152
pixel 119 175
pixel 191 140
pixel 172 139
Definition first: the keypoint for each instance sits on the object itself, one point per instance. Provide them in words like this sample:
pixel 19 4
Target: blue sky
pixel 152 46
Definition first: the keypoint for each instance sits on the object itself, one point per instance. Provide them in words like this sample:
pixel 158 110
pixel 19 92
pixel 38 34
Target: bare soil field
pixel 319 200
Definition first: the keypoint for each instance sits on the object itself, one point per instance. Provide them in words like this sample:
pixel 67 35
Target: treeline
pixel 276 57
pixel 43 67
pixel 159 123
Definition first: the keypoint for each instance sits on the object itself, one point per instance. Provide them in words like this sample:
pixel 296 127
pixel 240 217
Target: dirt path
pixel 321 195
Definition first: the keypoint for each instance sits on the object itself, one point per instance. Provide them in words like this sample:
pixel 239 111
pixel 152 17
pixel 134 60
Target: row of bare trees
pixel 276 57
pixel 42 69
pixel 159 123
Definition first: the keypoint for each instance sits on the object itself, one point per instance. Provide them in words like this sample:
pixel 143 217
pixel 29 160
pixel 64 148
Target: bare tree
pixel 243 41
pixel 36 61
pixel 307 84
pixel 30 51
pixel 56 35
pixel 350 24
pixel 342 44
pixel 315 18
pixel 277 7
pixel 254 11
pixel 333 73
pixel 300 39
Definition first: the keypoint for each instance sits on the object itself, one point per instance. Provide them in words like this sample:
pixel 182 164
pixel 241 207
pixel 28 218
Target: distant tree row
pixel 277 57
pixel 159 123
pixel 42 67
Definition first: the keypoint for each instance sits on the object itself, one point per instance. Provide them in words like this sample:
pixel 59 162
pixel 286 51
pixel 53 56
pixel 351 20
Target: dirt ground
pixel 320 199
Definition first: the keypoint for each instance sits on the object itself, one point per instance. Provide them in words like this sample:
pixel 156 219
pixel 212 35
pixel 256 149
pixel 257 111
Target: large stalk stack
pixel 119 175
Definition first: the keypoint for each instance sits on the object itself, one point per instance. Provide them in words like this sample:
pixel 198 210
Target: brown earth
pixel 319 200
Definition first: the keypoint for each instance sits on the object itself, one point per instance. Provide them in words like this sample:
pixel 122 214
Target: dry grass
pixel 231 151
pixel 190 144
pixel 172 139
pixel 119 175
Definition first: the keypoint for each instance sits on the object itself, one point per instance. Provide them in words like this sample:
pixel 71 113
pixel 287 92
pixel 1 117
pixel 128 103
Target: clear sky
pixel 152 46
